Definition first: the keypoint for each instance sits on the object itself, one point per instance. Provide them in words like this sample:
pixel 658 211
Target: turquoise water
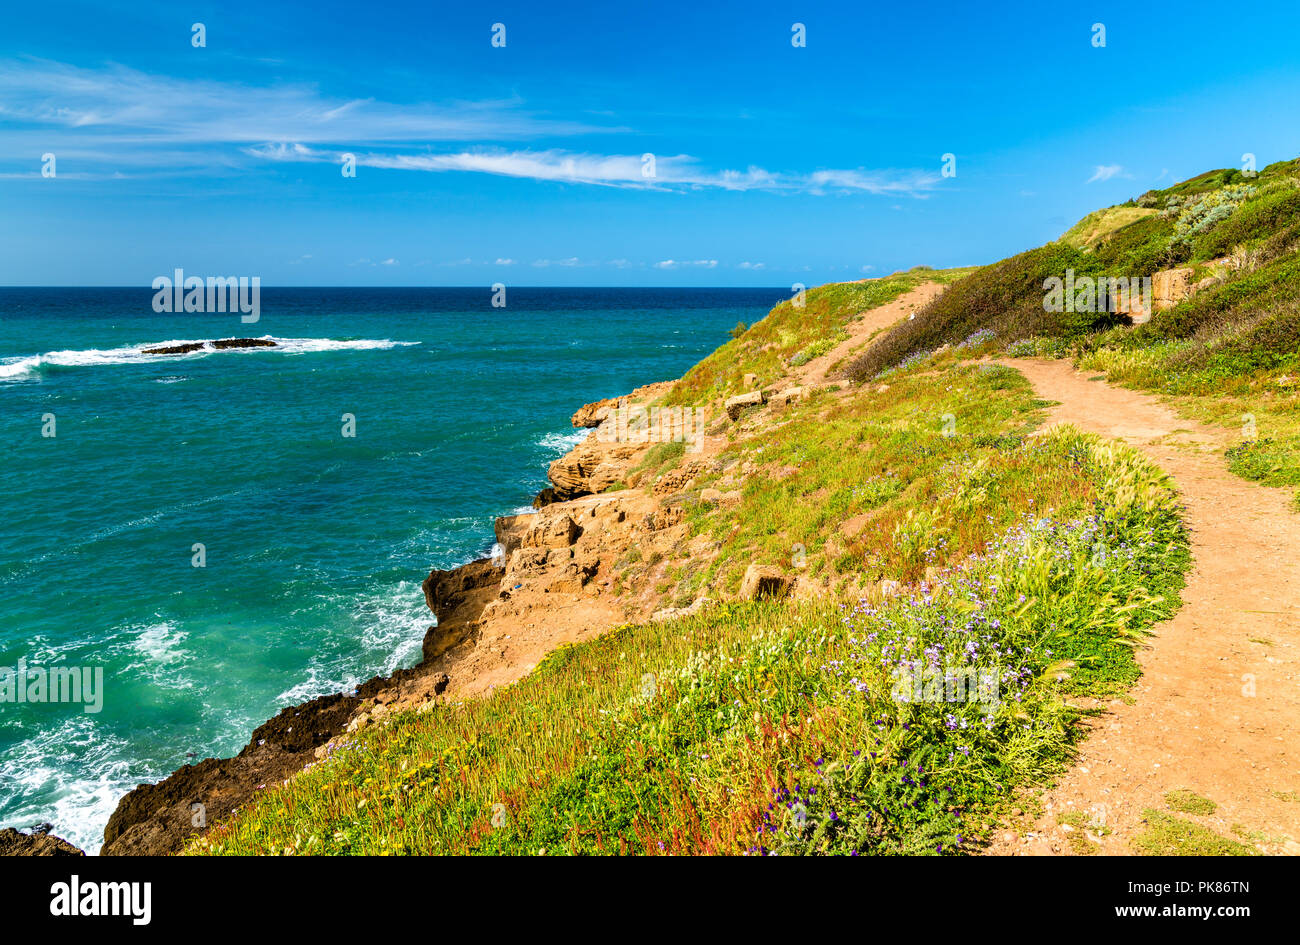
pixel 315 543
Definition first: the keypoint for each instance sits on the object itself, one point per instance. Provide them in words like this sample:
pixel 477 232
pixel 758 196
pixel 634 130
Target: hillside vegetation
pixel 976 579
pixel 1229 353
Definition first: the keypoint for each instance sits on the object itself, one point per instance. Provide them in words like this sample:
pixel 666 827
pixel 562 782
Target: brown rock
pixel 664 518
pixel 510 530
pixel 593 414
pixel 551 532
pixel 37 843
pixel 734 405
pixel 591 467
pixel 1170 287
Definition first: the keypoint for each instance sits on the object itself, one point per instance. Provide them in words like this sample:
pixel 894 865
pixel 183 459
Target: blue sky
pixel 523 164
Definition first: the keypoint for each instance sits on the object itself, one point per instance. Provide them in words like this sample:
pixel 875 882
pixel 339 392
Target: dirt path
pixel 862 329
pixel 1217 709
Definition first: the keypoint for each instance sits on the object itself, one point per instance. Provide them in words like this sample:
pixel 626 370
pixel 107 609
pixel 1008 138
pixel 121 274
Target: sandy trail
pixel 863 329
pixel 1217 709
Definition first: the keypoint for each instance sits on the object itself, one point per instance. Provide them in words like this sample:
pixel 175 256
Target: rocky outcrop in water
pixel 221 344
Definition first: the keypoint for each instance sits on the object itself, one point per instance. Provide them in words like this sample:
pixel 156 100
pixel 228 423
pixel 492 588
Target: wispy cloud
pixel 104 119
pixel 675 172
pixel 141 108
pixel 1105 172
pixel 676 264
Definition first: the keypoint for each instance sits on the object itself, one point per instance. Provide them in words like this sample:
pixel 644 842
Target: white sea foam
pixel 12 369
pixel 74 774
pixel 391 623
pixel 561 442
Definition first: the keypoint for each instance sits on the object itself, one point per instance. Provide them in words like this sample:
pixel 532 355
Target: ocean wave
pixel 71 775
pixel 561 443
pixel 12 369
pixel 387 631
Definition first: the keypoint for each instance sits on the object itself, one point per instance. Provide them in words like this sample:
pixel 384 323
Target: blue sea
pixel 313 543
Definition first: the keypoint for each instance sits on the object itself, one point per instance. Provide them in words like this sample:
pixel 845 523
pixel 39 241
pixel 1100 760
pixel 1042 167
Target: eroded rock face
pixel 510 530
pixel 590 468
pixel 558 531
pixel 593 414
pixel 457 598
pixel 37 843
pixel 1171 286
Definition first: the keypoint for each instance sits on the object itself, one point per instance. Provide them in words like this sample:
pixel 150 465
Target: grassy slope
pixel 1229 354
pixel 772 726
pixel 795 331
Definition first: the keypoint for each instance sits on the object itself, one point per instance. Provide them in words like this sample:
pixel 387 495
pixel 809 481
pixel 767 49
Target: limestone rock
pixel 594 414
pixel 1171 286
pixel 591 467
pixel 663 518
pixel 672 613
pixel 788 396
pixel 735 405
pixel 551 532
pixel 510 530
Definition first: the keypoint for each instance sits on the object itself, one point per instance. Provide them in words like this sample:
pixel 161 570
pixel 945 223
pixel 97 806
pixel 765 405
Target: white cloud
pixel 156 108
pixel 389 262
pixel 103 120
pixel 504 262
pixel 752 265
pixel 675 263
pixel 1105 172
pixel 673 172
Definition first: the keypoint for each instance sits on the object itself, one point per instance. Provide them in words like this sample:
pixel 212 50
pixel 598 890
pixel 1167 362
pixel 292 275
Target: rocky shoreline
pixel 549 581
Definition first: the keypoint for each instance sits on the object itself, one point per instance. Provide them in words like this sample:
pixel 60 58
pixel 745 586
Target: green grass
pixel 1184 801
pixel 708 734
pixel 1166 835
pixel 1229 352
pixel 792 333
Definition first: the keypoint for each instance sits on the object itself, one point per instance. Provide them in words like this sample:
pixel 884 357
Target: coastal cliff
pixel 550 582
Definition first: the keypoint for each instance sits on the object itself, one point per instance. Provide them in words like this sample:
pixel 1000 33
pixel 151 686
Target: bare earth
pixel 863 329
pixel 1217 709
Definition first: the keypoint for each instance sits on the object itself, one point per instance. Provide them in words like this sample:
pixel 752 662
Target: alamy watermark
pixel 1099 294
pixel 34 684
pixel 936 684
pixel 181 293
pixel 638 424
